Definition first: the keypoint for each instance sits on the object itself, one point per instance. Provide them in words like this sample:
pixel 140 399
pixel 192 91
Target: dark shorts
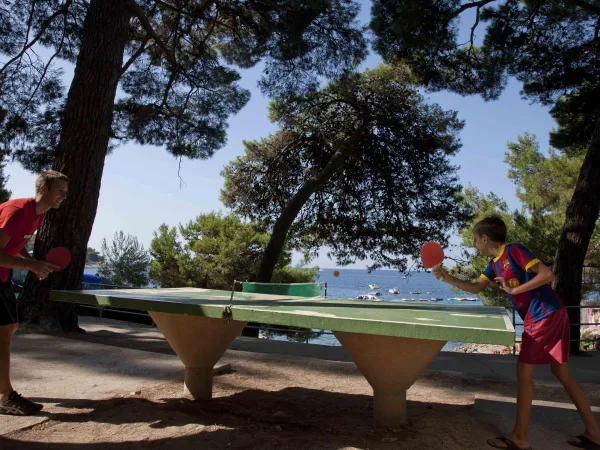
pixel 546 341
pixel 8 303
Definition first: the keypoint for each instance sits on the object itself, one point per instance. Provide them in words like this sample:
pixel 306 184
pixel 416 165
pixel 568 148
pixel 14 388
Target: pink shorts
pixel 546 341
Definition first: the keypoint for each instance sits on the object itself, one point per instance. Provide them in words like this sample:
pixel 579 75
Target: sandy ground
pixel 265 402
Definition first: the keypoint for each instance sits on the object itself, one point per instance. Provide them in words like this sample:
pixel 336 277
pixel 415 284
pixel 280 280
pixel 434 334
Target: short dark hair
pixel 47 177
pixel 493 227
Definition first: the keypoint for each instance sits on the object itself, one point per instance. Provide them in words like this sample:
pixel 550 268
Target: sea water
pixel 353 282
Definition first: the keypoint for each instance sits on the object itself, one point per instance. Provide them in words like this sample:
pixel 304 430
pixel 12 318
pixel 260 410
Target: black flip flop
pixel 510 445
pixel 583 442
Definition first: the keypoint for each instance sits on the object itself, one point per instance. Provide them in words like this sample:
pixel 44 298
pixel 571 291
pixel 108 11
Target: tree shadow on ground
pixel 292 418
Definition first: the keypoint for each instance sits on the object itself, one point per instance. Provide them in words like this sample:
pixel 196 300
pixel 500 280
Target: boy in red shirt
pixel 545 338
pixel 19 219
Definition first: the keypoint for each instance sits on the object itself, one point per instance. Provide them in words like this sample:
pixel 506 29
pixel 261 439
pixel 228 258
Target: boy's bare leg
pixel 11 402
pixel 562 372
pixel 6 333
pixel 520 433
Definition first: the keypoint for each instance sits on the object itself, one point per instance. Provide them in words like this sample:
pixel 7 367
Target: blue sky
pixel 141 188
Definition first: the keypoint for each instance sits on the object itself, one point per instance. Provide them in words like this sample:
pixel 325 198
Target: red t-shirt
pixel 19 219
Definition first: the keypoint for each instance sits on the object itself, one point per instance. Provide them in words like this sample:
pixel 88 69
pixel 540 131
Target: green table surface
pixel 476 324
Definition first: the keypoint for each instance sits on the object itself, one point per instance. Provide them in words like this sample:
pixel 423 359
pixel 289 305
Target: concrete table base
pixel 199 342
pixel 391 365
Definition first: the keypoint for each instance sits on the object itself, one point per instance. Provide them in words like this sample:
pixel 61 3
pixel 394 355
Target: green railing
pixel 293 289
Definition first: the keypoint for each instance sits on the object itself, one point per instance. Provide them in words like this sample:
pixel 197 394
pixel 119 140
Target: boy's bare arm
pixel 25 254
pixel 544 275
pixel 467 286
pixel 41 268
pixel 9 261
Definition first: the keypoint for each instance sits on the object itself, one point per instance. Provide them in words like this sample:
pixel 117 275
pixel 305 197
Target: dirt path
pixel 267 402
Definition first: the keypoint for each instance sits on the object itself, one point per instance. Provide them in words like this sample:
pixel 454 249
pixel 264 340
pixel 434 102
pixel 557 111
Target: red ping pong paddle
pixel 59 256
pixel 432 254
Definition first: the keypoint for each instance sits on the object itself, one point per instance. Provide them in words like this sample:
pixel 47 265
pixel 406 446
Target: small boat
pixel 415 292
pixel 393 291
pixel 377 293
pixel 423 299
pixel 436 299
pixel 373 286
pixel 367 297
pixel 407 299
pixel 463 299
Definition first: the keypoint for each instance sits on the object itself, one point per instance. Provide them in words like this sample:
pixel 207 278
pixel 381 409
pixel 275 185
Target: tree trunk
pixel 582 213
pixel 291 210
pixel 288 215
pixel 80 155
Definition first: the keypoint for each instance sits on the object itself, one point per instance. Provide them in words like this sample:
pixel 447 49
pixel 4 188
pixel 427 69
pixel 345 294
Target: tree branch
pixel 169 6
pixel 47 66
pixel 174 73
pixel 210 31
pixel 135 56
pixel 172 78
pixel 585 6
pixel 477 5
pixel 43 29
pixel 182 182
pixel 473 33
pixel 229 27
pixel 137 12
pixel 292 145
pixel 203 7
pixel 179 116
pixel 199 11
pixel 29 23
pixel 298 200
pixel 151 34
pixel 534 11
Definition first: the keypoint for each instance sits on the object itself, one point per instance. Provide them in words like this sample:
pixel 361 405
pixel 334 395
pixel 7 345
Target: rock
pixel 484 348
pixel 389 439
pixel 221 369
pixel 278 428
pixel 280 414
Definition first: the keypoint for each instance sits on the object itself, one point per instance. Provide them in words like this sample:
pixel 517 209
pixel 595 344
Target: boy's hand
pixel 502 284
pixel 42 268
pixel 440 274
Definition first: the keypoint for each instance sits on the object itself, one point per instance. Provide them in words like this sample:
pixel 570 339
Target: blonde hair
pixel 47 177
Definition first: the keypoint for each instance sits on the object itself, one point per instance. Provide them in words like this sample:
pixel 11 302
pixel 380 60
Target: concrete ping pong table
pixel 391 343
